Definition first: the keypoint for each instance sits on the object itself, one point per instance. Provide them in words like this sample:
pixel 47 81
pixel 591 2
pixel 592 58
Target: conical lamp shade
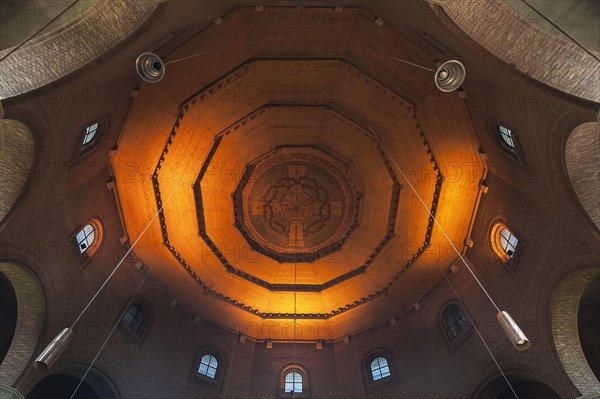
pixel 150 67
pixel 512 330
pixel 47 358
pixel 450 75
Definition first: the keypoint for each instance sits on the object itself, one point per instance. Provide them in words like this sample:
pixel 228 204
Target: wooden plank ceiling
pixel 314 81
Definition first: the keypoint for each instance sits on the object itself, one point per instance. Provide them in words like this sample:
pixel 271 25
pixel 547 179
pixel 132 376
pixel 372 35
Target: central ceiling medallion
pixel 296 204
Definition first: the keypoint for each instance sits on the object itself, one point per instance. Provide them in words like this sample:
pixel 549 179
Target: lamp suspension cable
pixel 434 219
pixel 34 34
pixel 413 64
pixel 47 358
pixel 230 367
pixel 358 366
pixel 294 344
pixel 461 258
pixel 122 260
pixel 110 334
pixel 480 336
pixel 184 58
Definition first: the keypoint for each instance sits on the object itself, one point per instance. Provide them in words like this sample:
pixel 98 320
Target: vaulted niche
pixel 588 321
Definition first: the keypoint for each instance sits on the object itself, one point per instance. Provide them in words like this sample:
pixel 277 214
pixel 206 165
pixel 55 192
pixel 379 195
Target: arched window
pixel 508 242
pixel 88 238
pixel 454 325
pixel 454 321
pixel 379 368
pixel 506 138
pixel 85 237
pixel 507 245
pixel 506 135
pixel 90 134
pixel 293 382
pixel 208 366
pixel 134 318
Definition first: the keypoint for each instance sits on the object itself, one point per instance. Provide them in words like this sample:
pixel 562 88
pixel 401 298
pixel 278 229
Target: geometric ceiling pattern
pixel 296 204
pixel 277 179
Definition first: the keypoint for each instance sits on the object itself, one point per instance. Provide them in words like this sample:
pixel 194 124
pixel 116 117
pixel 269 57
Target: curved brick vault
pixel 34 65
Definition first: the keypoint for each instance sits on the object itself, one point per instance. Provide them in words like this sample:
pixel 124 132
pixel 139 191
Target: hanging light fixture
pixel 447 77
pixel 512 330
pixel 450 75
pixel 151 68
pixel 47 358
pixel 510 327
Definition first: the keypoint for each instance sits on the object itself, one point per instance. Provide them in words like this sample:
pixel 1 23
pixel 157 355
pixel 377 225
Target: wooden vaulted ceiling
pixel 322 80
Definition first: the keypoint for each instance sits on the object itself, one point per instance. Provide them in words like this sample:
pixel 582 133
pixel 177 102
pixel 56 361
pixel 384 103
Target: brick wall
pixel 34 65
pixel 583 164
pixel 30 311
pixel 530 49
pixel 16 158
pixel 535 199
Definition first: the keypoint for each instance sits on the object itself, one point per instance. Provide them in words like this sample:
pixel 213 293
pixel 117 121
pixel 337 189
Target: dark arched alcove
pixel 8 315
pixel 62 386
pixel 529 390
pixel 588 323
pixel 524 387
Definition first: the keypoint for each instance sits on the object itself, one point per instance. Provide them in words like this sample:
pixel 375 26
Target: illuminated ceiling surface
pixel 275 192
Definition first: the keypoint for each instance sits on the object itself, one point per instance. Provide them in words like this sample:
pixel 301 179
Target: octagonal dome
pixel 234 241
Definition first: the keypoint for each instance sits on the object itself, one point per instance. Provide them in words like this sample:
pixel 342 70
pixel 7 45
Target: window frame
pixel 283 373
pixel 136 336
pixel 82 150
pixel 379 368
pixel 510 263
pixel 215 383
pixel 466 332
pixel 370 383
pixel 93 248
pixel 209 366
pixel 514 153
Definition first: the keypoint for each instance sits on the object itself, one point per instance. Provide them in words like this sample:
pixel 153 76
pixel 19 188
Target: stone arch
pixel 63 381
pixel 16 162
pixel 496 387
pixel 42 60
pixel 496 27
pixel 565 333
pixel 582 157
pixel 29 320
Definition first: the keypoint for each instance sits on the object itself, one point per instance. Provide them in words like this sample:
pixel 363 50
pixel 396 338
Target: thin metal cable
pixel 121 261
pixel 359 379
pixel 230 367
pixel 434 219
pixel 561 30
pixel 39 30
pixel 480 336
pixel 410 63
pixel 295 292
pixel 184 58
pixel 110 334
pixel 460 256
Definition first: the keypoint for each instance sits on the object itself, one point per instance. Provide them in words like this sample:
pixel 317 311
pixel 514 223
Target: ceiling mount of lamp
pixel 447 77
pixel 151 68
